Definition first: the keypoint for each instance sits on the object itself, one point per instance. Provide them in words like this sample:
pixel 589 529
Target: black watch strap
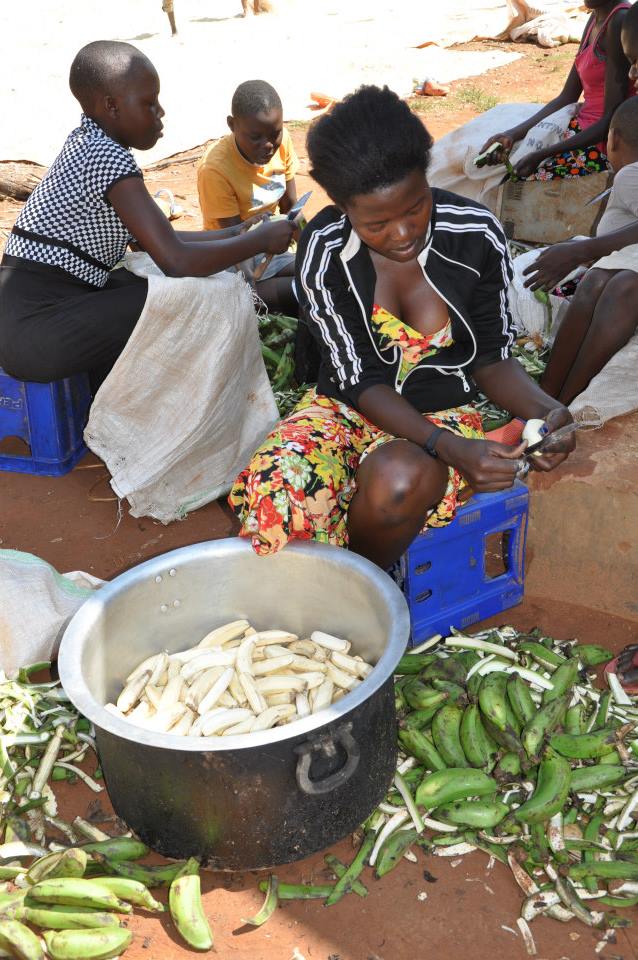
pixel 430 444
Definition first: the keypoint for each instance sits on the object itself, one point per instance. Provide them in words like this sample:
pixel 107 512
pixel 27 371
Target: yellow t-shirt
pixel 230 186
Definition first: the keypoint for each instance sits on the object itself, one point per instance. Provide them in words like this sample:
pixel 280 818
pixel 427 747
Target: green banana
pixel 602 714
pixel 12 905
pixel 506 738
pixel 456 783
pixel 421 696
pixel 76 890
pixel 117 848
pixel 473 686
pixel 446 730
pixel 478 746
pixel 449 669
pixel 585 746
pixel 393 849
pixel 411 663
pixel 520 699
pixel 540 726
pixel 605 870
pixel 132 891
pixel 592 655
pixel 154 876
pixel 552 788
pixel 513 723
pixel 575 719
pixel 563 679
pixel 419 719
pixel 611 759
pixel 468 658
pixel 20 941
pixel 481 814
pixel 591 834
pixel 68 863
pixel 541 654
pixel 508 767
pixel 187 912
pixel 416 744
pixel 400 703
pixel 66 918
pixel 87 944
pixel 456 693
pixel 492 699
pixel 597 777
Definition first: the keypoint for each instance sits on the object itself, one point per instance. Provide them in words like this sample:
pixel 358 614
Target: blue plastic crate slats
pixel 50 418
pixel 471 569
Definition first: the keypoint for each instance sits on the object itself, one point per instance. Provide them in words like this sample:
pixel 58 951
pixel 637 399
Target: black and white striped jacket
pixel 465 260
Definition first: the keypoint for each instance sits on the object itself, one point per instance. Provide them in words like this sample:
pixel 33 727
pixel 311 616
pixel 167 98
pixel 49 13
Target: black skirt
pixel 53 325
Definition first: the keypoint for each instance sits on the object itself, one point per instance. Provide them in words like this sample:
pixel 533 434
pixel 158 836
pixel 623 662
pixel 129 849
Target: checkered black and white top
pixel 67 221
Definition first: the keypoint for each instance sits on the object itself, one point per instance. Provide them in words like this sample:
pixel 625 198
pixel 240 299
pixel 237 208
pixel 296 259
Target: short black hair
pixel 371 139
pixel 101 67
pixel 253 97
pixel 625 121
pixel 630 22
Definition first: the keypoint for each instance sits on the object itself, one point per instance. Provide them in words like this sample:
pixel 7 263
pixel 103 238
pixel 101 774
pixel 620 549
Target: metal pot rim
pixel 74 638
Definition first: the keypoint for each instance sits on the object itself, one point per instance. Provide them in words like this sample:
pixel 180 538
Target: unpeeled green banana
pixel 87 944
pixel 187 912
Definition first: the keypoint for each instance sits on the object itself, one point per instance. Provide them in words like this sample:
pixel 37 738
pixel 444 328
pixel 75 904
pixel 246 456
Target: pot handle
pixel 327 746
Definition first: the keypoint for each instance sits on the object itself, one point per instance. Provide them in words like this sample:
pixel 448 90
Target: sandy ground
pixel 323 45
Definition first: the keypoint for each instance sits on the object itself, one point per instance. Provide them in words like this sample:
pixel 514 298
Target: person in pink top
pixel 600 74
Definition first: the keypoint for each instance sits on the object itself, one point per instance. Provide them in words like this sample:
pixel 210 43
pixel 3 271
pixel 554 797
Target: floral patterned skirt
pixel 302 478
pixel 572 163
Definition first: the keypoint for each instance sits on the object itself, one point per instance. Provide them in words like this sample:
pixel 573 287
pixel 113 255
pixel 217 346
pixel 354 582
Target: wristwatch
pixel 430 444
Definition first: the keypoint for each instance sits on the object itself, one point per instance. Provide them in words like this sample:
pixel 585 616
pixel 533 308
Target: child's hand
pixel 276 235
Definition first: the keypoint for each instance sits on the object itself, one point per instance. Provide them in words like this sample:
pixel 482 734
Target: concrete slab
pixel 582 543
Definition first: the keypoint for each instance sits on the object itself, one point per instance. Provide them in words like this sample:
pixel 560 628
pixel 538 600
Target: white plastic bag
pixel 36 603
pixel 452 158
pixel 189 400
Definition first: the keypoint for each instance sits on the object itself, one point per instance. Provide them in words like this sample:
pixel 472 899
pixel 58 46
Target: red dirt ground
pixel 467 910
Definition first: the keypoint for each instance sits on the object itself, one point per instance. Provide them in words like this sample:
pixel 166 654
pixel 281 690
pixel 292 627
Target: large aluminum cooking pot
pixel 242 802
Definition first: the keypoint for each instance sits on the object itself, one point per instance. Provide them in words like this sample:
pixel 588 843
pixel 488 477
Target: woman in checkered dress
pixel 64 309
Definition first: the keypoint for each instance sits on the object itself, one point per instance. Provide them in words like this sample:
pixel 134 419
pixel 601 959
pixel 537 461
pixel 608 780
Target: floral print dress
pixel 302 478
pixel 572 163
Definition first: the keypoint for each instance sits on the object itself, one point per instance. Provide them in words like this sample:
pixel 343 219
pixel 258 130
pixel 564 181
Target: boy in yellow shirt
pixel 252 171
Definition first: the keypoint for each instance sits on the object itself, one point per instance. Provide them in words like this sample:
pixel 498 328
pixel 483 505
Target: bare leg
pixel 614 321
pixel 168 8
pixel 396 485
pixel 278 296
pixel 573 330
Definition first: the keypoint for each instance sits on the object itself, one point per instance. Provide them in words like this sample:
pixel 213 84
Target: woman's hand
pixel 554 264
pixel 486 465
pixel 275 235
pixel 529 164
pixel 558 417
pixel 506 140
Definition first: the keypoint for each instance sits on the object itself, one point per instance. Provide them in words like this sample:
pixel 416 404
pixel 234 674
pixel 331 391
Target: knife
pixel 598 197
pixel 548 441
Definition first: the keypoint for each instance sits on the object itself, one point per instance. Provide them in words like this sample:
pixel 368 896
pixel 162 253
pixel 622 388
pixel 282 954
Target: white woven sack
pixel 530 316
pixel 189 399
pixel 452 158
pixel 36 603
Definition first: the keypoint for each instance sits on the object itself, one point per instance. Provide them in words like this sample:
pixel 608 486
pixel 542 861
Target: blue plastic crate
pixel 50 418
pixel 471 569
